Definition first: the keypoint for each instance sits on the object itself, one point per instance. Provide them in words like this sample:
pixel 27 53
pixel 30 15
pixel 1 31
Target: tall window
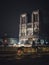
pixel 22 20
pixel 35 17
pixel 29 26
pixel 22 34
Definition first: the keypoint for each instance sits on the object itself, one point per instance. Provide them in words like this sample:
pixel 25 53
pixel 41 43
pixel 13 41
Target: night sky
pixel 10 11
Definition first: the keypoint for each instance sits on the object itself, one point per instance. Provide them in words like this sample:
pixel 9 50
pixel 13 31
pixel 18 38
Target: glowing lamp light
pixel 23 15
pixel 5 40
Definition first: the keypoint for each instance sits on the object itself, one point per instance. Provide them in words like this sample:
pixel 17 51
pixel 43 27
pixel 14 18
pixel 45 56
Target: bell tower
pixel 35 21
pixel 22 29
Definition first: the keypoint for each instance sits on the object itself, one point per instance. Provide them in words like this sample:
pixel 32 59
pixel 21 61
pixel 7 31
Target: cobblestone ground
pixel 44 60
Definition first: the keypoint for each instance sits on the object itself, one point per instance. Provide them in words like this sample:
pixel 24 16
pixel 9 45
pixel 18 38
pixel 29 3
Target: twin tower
pixel 29 31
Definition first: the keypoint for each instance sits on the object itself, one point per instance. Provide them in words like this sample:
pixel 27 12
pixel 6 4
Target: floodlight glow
pixel 19 42
pixel 42 41
pixel 23 15
pixel 33 39
pixel 46 42
pixel 14 45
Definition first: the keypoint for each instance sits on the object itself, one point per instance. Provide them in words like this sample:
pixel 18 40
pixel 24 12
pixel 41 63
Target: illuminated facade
pixel 23 27
pixel 35 21
pixel 29 31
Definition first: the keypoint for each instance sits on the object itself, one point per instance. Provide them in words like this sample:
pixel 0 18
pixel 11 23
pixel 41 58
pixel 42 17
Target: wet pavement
pixel 44 60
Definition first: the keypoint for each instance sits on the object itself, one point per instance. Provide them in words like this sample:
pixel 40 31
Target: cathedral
pixel 29 31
